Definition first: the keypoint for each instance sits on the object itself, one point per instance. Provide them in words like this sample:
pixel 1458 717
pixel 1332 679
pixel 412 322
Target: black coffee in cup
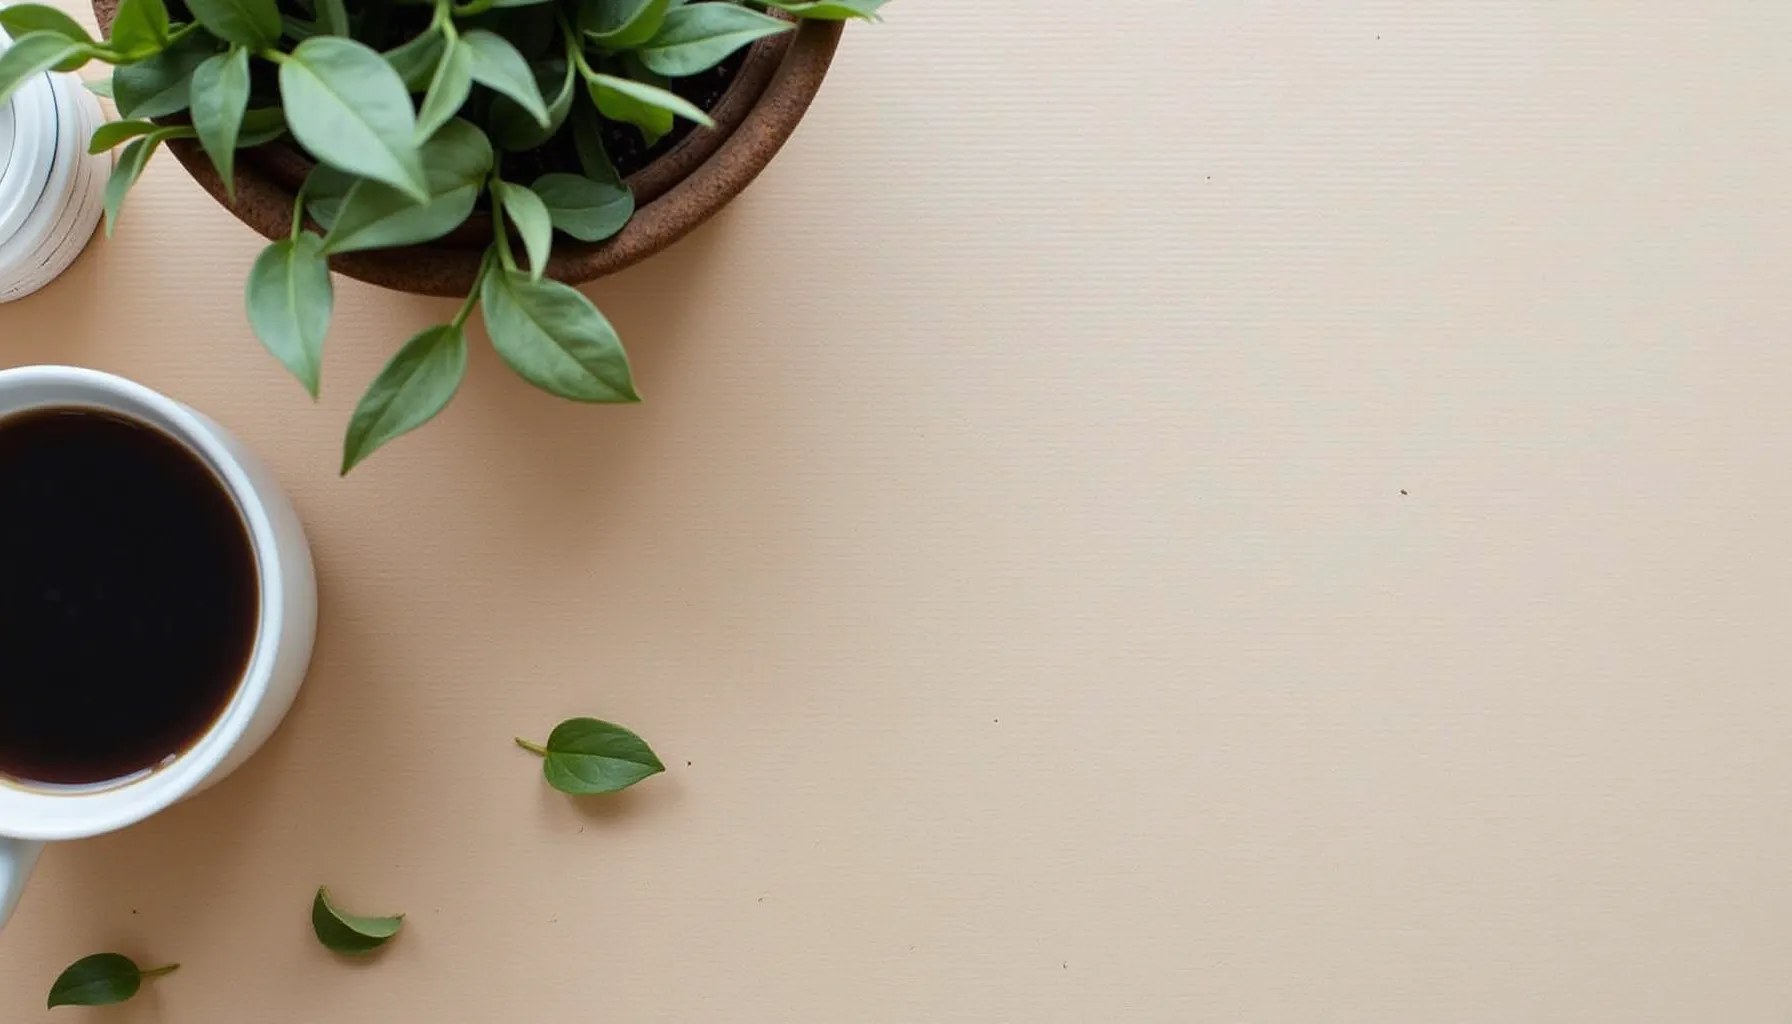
pixel 129 596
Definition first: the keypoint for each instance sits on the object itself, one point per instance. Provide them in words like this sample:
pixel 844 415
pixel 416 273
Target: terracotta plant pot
pixel 675 193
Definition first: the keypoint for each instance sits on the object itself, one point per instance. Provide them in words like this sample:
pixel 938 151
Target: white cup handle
pixel 17 858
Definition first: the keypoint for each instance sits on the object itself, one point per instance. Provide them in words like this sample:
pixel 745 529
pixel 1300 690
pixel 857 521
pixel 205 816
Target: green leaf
pixel 325 190
pixel 159 86
pixel 588 141
pixel 829 10
pixel 251 23
pixel 289 302
pixel 24 19
pixel 100 87
pixel 101 980
pixel 697 37
pixel 588 210
pixel 347 106
pixel 621 24
pixel 126 172
pixel 416 60
pixel 31 55
pixel 648 107
pixel 409 392
pixel 498 66
pixel 554 338
pixel 514 130
pixel 261 127
pixel 376 216
pixel 349 934
pixel 332 18
pixel 139 25
pixel 448 90
pixel 530 216
pixel 220 94
pixel 110 134
pixel 585 756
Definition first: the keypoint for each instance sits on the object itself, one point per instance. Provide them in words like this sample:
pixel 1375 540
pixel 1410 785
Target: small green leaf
pixel 32 55
pixel 332 18
pixel 110 134
pixel 448 90
pixel 373 215
pixel 621 24
pixel 100 87
pixel 409 392
pixel 585 756
pixel 416 60
pixel 526 210
pixel 698 36
pixel 289 300
pixel 497 65
pixel 646 106
pixel 139 25
pixel 347 106
pixel 588 210
pixel 588 141
pixel 251 23
pixel 261 127
pixel 126 172
pixel 159 86
pixel 554 338
pixel 347 933
pixel 514 130
pixel 24 19
pixel 325 190
pixel 829 10
pixel 101 980
pixel 220 95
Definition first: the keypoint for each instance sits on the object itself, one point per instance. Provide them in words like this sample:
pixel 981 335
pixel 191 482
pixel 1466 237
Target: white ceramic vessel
pixel 31 816
pixel 51 189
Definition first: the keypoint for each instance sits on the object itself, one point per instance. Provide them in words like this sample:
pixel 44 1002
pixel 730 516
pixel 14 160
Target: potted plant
pixel 500 151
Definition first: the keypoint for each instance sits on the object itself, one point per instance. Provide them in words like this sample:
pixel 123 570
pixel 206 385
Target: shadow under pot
pixel 759 97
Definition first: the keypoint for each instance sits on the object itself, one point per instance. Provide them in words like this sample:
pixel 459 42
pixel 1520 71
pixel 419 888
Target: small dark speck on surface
pixel 133 911
pixel 1402 490
pixel 1067 965
pixel 687 764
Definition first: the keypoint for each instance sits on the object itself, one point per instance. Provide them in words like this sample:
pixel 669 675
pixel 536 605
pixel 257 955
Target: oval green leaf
pixel 697 37
pixel 413 388
pixel 526 210
pixel 416 60
pixel 126 172
pixel 349 108
pixel 251 23
pixel 500 67
pixel 32 55
pixel 372 215
pixel 24 19
pixel 448 90
pixel 514 130
pixel 554 338
pixel 350 934
pixel 139 26
pixel 623 99
pixel 589 211
pixel 220 95
pixel 588 141
pixel 159 86
pixel 109 135
pixel 261 127
pixel 586 756
pixel 290 299
pixel 101 980
pixel 622 24
pixel 829 10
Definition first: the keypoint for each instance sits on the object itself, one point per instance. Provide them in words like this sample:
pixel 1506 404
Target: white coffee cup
pixel 31 816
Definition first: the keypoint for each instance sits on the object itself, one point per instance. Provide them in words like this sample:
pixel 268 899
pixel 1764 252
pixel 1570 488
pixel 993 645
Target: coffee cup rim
pixel 29 812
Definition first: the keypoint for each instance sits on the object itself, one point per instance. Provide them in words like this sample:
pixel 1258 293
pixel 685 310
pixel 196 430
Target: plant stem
pixel 532 747
pixel 501 234
pixel 273 55
pixel 157 972
pixel 298 214
pixel 466 308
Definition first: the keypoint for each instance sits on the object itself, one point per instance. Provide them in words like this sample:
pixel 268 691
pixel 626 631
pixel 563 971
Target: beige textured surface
pixel 1013 564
